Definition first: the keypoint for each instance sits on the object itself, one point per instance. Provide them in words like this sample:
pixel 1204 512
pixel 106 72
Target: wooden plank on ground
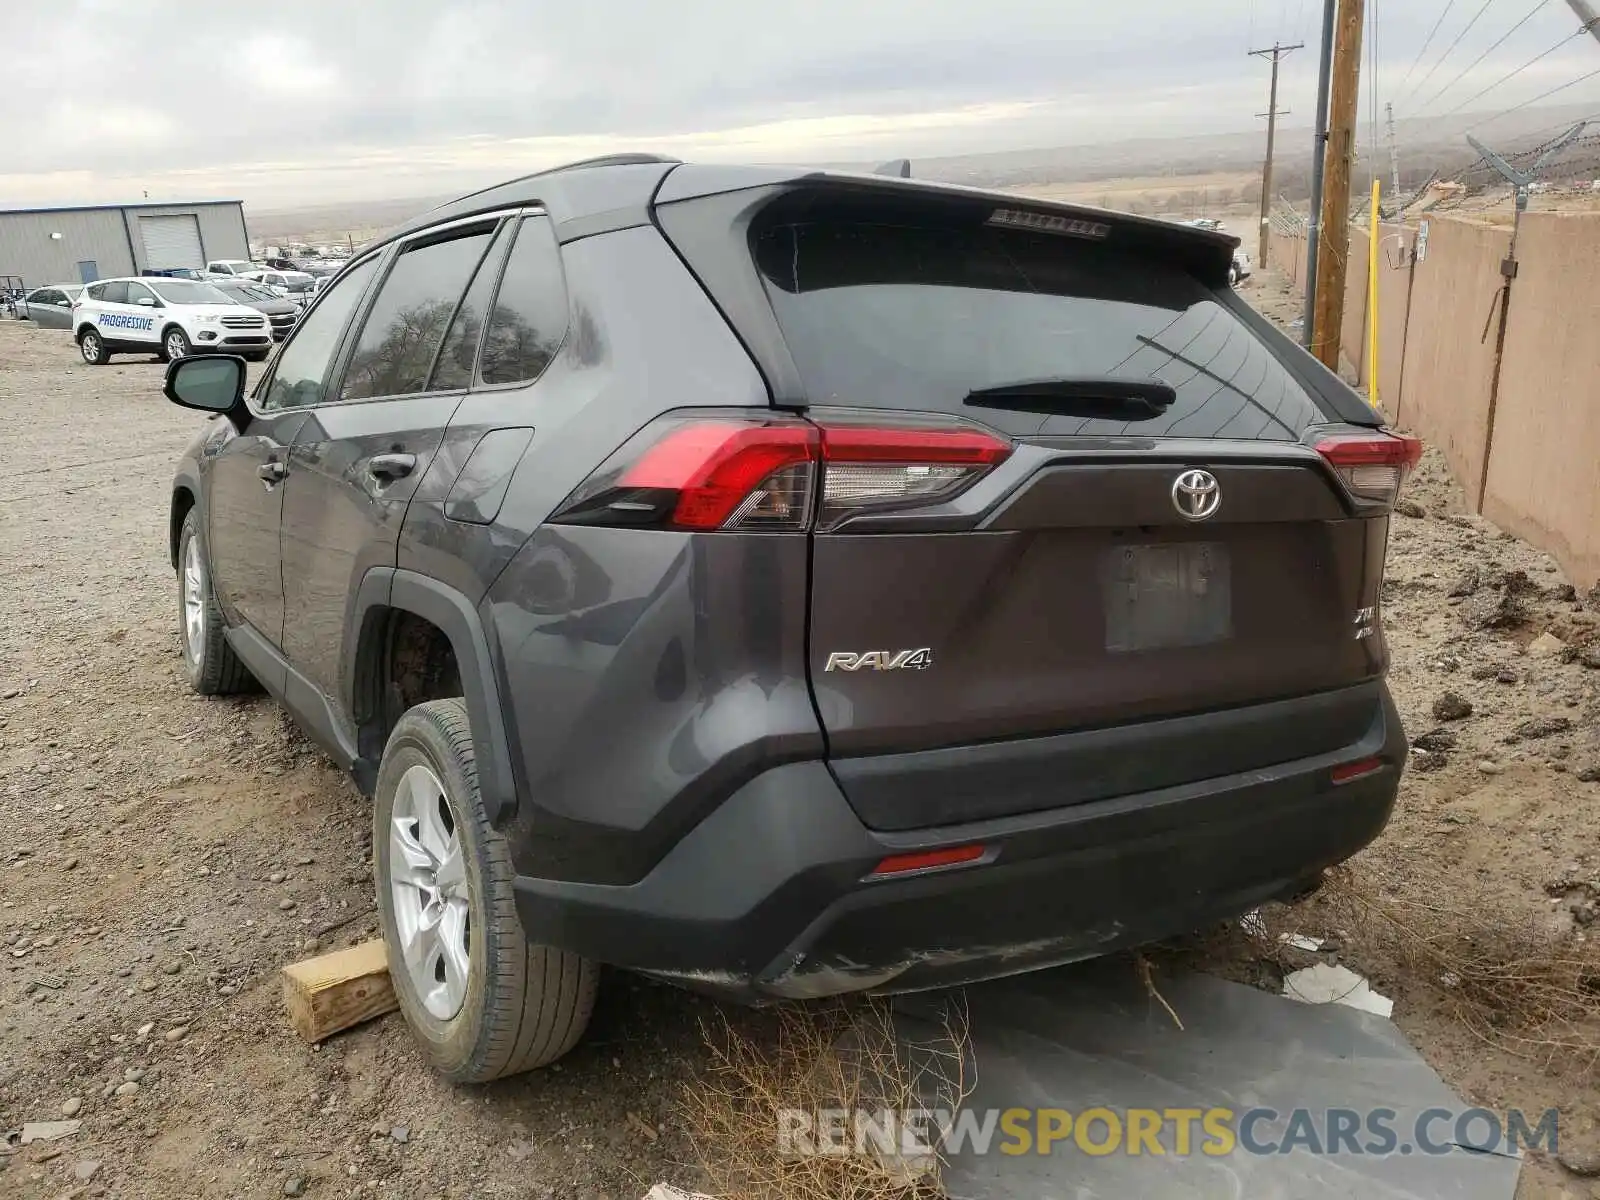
pixel 332 992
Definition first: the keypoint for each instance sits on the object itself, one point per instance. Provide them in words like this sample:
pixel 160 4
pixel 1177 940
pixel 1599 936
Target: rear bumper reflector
pixel 1345 772
pixel 927 860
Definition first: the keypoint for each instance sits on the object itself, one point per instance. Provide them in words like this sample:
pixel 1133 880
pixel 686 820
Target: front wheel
pixel 481 999
pixel 93 348
pixel 175 345
pixel 209 663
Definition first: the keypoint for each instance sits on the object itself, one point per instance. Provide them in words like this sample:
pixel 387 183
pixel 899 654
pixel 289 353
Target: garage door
pixel 172 241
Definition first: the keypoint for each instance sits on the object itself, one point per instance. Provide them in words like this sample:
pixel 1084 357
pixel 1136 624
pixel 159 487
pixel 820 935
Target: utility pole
pixel 1586 14
pixel 1343 103
pixel 1319 143
pixel 1275 53
pixel 1394 157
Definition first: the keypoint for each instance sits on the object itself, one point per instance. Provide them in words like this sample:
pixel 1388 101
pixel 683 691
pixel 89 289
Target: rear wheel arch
pixel 414 640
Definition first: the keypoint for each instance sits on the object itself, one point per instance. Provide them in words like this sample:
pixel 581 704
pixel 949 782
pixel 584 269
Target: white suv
pixel 170 318
pixel 232 266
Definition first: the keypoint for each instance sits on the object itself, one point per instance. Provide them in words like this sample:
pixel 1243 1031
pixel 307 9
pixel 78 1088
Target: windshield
pixel 186 291
pixel 244 292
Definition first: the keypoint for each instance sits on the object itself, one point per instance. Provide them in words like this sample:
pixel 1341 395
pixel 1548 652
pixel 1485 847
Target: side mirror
pixel 210 384
pixel 146 302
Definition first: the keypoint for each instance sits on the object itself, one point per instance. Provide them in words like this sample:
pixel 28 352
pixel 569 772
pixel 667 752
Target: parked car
pixel 174 273
pixel 282 264
pixel 294 286
pixel 281 314
pixel 50 307
pixel 232 266
pixel 170 318
pixel 795 583
pixel 1241 265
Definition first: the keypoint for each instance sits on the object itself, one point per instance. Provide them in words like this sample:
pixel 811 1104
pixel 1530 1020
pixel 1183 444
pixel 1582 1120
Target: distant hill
pixel 1426 145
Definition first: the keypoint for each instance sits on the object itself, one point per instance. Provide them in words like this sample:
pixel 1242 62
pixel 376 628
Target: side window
pixel 530 312
pixel 406 324
pixel 137 292
pixel 46 296
pixel 302 366
pixel 95 291
pixel 115 292
pixel 453 369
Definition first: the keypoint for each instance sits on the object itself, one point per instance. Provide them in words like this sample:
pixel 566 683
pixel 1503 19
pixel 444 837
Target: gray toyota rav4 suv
pixel 790 583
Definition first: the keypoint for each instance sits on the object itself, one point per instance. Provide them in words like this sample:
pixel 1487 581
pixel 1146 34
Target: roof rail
pixel 613 160
pixel 603 160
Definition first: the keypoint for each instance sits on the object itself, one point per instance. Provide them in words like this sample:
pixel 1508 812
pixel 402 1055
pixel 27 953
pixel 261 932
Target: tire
pixel 516 1006
pixel 93 347
pixel 174 344
pixel 209 663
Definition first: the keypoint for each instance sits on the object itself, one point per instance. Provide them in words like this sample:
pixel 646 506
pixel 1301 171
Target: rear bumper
pixel 768 897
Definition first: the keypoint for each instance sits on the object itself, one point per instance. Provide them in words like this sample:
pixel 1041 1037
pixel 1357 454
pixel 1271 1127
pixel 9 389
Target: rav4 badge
pixel 880 660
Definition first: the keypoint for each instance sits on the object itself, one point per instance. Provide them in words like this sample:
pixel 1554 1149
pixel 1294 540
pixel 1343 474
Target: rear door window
pixel 892 313
pixel 406 324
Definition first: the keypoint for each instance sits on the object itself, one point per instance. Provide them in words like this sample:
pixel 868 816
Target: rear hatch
pixel 1085 526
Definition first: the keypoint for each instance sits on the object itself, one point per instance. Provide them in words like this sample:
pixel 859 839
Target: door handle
pixel 272 472
pixel 391 466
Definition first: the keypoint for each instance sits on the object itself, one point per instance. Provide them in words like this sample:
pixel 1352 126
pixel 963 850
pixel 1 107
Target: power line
pixel 1450 49
pixel 1541 96
pixel 1502 40
pixel 1517 71
pixel 1412 69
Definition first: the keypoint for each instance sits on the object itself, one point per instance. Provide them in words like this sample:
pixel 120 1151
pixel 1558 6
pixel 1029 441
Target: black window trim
pixel 472 278
pixel 478 385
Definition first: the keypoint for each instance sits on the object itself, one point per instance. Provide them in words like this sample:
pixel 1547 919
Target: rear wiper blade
pixel 1109 396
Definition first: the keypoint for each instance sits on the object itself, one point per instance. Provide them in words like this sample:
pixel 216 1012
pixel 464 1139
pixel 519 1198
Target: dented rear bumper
pixel 773 896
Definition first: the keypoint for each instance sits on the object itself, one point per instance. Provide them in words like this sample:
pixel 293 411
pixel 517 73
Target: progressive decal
pixel 118 321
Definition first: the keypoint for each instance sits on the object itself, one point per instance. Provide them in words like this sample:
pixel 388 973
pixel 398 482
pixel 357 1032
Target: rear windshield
pixel 883 313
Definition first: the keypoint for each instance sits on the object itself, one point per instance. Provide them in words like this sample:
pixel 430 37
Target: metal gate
pixel 172 241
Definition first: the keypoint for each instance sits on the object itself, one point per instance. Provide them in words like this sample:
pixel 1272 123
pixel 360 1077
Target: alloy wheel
pixel 428 886
pixel 194 601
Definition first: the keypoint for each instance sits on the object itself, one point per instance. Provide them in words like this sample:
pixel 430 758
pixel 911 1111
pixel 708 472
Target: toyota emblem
pixel 1196 495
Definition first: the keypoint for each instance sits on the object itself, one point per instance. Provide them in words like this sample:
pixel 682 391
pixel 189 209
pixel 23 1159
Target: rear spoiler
pixel 1205 254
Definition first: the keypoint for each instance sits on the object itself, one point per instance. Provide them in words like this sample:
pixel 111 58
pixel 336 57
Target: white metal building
pixel 80 244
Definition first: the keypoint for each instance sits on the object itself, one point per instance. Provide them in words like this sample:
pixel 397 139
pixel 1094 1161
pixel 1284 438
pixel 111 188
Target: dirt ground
pixel 162 855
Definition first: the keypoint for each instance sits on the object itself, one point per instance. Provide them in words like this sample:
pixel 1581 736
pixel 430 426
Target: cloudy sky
pixel 309 101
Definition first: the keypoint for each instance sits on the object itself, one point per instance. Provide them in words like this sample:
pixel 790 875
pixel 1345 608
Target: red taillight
pixel 872 444
pixel 759 472
pixel 1345 772
pixel 718 468
pixel 926 860
pixel 1372 465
